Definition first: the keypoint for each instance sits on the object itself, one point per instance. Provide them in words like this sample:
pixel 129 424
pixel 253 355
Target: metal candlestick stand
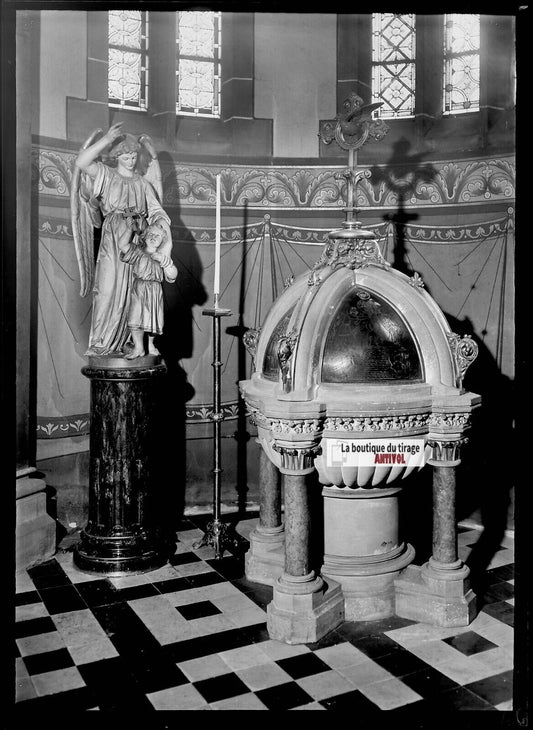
pixel 218 533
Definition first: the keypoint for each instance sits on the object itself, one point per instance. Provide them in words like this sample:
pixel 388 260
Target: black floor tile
pixel 373 646
pixel 459 699
pixel 499 592
pixel 260 594
pixel 198 610
pixel 48 575
pixel 113 685
pixel 498 575
pixel 495 689
pixel 401 662
pixel 469 643
pixel 284 696
pixel 222 687
pixel 129 634
pixel 141 591
pixel 181 651
pixel 81 698
pixel 34 626
pixel 62 599
pixel 154 671
pixel 172 584
pixel 256 633
pixel 230 567
pixel 183 559
pixel 48 661
pixel 16 650
pixel 332 638
pixel 117 618
pixel 353 702
pixel 204 579
pixel 501 610
pixel 429 682
pixel 303 665
pixel 24 599
pixel 99 593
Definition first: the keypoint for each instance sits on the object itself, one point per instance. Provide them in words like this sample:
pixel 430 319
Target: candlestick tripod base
pixel 219 535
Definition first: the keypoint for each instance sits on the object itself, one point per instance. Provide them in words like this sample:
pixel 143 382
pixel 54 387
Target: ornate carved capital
pixel 445 453
pixel 297 458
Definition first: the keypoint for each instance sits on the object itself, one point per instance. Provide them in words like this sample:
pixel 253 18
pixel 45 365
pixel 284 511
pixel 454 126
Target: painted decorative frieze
pixel 314 187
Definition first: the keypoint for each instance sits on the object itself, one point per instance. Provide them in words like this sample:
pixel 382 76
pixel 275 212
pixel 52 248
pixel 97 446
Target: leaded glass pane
pixel 124 76
pixel 393 64
pixel 198 63
pixel 461 63
pixel 128 59
pixel 125 28
pixel 196 84
pixel 196 34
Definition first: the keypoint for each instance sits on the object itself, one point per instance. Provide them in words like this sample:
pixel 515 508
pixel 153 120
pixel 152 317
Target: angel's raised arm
pixel 86 158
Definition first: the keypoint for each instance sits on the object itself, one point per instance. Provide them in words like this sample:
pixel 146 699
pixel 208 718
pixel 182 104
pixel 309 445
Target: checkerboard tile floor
pixel 192 636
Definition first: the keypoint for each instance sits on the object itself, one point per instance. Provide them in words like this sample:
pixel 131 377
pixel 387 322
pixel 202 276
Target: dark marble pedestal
pixel 123 534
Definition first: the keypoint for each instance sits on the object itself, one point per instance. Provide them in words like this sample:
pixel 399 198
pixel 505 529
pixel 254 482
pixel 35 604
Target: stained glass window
pixel 461 63
pixel 128 59
pixel 393 64
pixel 198 39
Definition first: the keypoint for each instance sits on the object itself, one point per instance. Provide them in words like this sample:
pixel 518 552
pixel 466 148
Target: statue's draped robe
pixel 146 301
pixel 113 277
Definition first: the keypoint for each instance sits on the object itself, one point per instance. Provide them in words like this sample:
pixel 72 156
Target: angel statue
pixel 122 200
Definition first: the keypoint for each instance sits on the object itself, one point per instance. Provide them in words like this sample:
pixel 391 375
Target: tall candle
pixel 216 285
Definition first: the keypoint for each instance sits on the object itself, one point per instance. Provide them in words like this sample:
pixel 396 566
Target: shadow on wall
pixel 484 477
pixel 176 344
pixel 242 435
pixel 401 175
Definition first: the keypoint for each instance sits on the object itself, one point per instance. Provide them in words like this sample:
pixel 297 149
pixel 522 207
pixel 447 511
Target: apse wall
pixel 450 218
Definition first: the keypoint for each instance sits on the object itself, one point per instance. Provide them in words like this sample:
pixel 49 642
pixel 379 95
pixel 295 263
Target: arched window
pixel 461 63
pixel 198 52
pixel 393 64
pixel 128 59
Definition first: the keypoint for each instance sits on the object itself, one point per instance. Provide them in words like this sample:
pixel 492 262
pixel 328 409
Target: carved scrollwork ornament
pixel 250 340
pixel 464 350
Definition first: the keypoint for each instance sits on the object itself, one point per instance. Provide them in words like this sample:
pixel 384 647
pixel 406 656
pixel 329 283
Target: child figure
pixel 150 266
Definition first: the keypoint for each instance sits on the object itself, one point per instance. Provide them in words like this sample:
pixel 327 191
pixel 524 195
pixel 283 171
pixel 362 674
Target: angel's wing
pixel 150 165
pixel 85 215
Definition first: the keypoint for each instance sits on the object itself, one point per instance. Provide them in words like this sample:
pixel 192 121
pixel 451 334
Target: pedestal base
pixel 442 598
pixel 303 618
pixel 119 556
pixel 35 529
pixel 368 582
pixel 126 531
pixel 264 561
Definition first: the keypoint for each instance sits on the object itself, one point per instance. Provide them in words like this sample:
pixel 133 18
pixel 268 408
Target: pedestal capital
pixel 445 452
pixel 297 457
